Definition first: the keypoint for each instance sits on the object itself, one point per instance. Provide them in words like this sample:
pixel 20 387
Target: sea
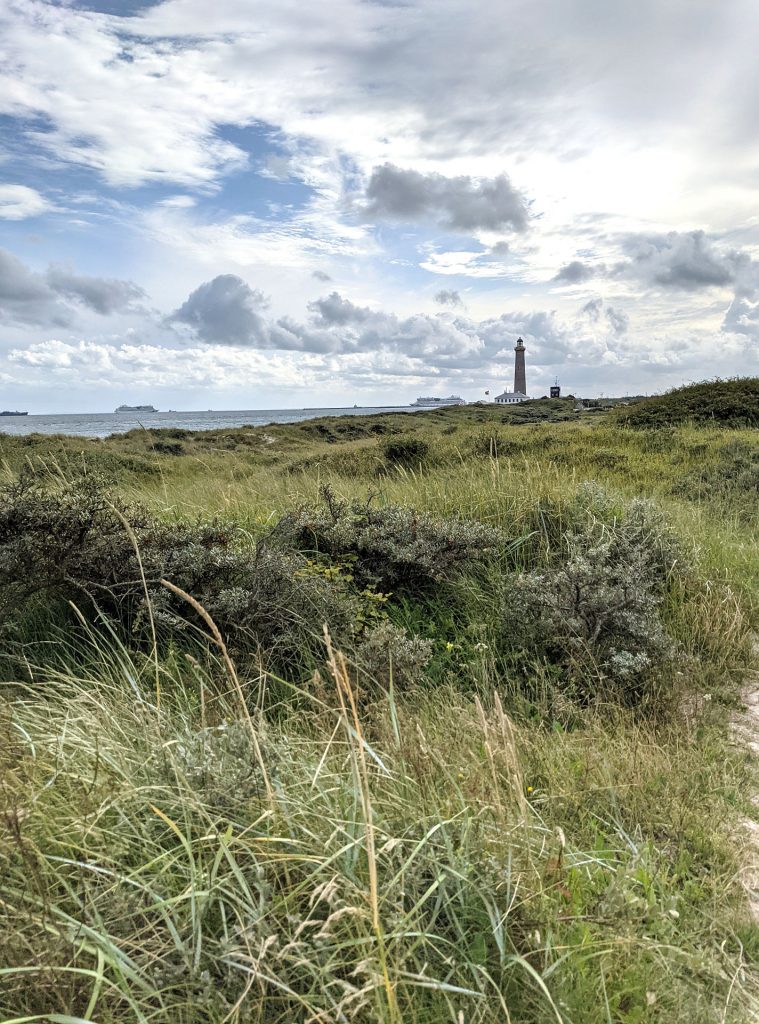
pixel 96 424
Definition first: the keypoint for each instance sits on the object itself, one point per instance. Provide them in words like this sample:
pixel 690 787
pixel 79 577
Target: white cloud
pixel 17 202
pixel 464 263
pixel 633 162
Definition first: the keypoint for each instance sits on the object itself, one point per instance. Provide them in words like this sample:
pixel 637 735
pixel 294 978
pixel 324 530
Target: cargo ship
pixel 7 412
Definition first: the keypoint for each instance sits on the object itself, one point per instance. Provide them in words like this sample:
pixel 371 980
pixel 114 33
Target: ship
pixel 436 403
pixel 8 412
pixel 136 408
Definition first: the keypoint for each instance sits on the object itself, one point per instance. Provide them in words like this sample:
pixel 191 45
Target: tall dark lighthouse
pixel 520 381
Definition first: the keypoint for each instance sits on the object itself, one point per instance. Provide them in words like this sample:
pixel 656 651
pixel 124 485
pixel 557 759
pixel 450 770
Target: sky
pixel 271 203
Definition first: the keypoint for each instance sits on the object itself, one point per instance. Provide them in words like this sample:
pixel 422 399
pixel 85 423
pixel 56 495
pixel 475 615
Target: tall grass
pixel 436 862
pixel 472 847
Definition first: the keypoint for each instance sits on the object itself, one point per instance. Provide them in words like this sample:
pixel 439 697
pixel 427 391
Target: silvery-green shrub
pixel 596 607
pixel 391 547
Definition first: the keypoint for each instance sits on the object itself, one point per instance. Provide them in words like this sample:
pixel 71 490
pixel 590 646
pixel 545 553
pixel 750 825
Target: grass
pixel 186 839
pixel 726 403
pixel 515 876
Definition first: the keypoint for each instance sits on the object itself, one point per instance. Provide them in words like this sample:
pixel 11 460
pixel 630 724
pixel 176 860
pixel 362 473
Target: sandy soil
pixel 746 732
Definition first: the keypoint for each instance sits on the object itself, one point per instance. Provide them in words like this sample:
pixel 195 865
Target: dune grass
pixel 436 863
pixel 187 839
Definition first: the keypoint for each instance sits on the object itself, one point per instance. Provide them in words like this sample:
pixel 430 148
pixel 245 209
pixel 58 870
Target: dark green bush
pixel 391 547
pixel 488 443
pixel 588 600
pixel 608 458
pixel 168 447
pixel 172 433
pixel 405 451
pixel 73 546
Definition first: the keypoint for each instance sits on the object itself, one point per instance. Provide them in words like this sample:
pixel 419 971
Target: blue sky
pixel 291 204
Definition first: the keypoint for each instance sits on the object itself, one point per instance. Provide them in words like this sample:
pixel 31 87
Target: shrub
pixel 168 447
pixel 388 649
pixel 735 475
pixel 595 610
pixel 487 443
pixel 405 451
pixel 218 764
pixel 608 458
pixel 51 541
pixel 738 468
pixel 74 546
pixel 391 547
pixel 175 433
pixel 262 599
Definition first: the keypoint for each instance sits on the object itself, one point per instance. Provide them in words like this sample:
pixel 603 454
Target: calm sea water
pixel 103 424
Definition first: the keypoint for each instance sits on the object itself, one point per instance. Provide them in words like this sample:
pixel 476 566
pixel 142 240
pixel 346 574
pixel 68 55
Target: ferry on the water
pixel 435 403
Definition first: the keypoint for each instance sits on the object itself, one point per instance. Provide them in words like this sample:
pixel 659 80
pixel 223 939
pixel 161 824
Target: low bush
pixel 738 467
pixel 596 608
pixel 486 443
pixel 390 547
pixel 389 652
pixel 405 451
pixel 75 545
pixel 168 447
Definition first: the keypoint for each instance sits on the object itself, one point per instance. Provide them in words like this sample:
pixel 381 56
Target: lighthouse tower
pixel 520 381
pixel 519 394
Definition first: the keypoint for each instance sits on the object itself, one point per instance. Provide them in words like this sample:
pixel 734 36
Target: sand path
pixel 746 732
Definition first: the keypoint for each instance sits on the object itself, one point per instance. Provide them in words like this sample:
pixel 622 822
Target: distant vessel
pixel 435 403
pixel 136 408
pixel 7 412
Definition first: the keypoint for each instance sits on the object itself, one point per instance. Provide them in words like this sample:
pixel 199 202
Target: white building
pixel 509 397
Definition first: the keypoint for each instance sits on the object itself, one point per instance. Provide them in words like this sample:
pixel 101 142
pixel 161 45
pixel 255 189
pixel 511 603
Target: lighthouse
pixel 520 381
pixel 519 394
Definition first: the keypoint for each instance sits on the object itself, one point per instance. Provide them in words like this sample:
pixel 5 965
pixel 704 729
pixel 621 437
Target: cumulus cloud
pixel 448 297
pixel 25 297
pixel 19 201
pixel 685 261
pixel 617 320
pixel 500 250
pixel 226 311
pixel 575 272
pixel 456 204
pixel 102 295
pixel 334 309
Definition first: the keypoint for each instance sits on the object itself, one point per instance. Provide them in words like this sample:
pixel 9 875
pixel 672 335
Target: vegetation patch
pixel 499 788
pixel 390 547
pixel 721 403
